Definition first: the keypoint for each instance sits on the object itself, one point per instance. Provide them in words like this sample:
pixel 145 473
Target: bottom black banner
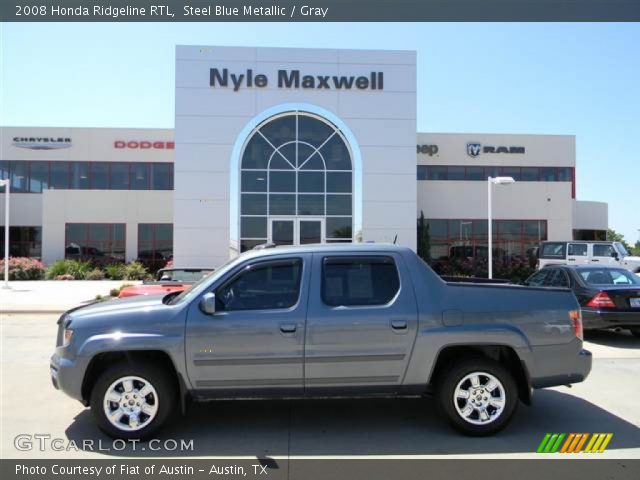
pixel 324 469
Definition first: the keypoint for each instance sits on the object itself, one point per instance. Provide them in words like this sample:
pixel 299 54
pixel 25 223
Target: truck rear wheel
pixel 132 401
pixel 479 396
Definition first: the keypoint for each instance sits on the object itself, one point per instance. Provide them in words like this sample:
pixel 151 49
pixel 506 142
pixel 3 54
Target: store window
pixel 468 239
pixel 35 176
pixel 23 242
pixel 155 244
pixel 100 241
pixel 296 183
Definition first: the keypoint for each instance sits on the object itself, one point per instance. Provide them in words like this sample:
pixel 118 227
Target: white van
pixel 587 252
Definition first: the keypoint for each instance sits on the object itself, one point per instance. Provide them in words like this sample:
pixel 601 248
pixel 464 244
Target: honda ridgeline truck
pixel 318 321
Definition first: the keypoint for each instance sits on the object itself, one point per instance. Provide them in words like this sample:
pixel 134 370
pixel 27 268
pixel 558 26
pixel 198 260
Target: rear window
pixel 553 250
pixel 358 281
pixel 602 276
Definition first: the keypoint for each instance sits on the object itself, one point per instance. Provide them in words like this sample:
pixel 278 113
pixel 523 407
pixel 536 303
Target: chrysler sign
pixel 475 149
pixel 41 143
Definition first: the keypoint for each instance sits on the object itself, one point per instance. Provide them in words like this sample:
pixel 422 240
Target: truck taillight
pixel 601 300
pixel 576 323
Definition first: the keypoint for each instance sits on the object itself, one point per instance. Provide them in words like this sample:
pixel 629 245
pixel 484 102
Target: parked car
pixel 609 296
pixel 318 321
pixel 587 253
pixel 167 280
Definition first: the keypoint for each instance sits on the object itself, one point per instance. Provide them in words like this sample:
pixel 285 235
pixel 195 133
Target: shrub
pixel 95 274
pixel 76 268
pixel 114 292
pixel 115 271
pixel 134 271
pixel 23 268
pixel 515 270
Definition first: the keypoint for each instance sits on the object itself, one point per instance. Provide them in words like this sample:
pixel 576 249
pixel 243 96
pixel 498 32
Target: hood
pixel 137 303
pixel 632 258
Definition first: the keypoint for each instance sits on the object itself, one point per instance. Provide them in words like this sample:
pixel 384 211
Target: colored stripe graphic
pixel 573 442
pixel 543 443
pixel 567 443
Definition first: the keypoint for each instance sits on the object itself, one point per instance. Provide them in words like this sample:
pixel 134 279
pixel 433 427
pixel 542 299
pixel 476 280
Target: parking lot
pixel 411 428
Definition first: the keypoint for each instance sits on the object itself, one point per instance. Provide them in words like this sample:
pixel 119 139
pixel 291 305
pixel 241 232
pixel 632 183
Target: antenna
pixel 395 239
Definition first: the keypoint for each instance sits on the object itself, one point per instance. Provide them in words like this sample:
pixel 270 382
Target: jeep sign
pixel 430 150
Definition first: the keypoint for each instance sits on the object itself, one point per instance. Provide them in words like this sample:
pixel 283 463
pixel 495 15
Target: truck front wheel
pixel 132 401
pixel 478 395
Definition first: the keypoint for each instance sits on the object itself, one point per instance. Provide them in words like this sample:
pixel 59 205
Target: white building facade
pixel 288 146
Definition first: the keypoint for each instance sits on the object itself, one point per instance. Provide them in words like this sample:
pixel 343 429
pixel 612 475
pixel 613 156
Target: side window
pixel 262 286
pixel 538 279
pixel 600 250
pixel 354 281
pixel 553 250
pixel 557 278
pixel 577 250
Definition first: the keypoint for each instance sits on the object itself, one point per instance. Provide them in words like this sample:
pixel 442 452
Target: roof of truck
pixel 326 247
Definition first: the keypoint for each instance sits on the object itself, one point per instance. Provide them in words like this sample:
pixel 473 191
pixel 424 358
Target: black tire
pixel 159 380
pixel 447 388
pixel 635 332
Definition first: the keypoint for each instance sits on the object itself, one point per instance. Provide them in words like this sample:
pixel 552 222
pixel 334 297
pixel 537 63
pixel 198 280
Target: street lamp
pixel 491 181
pixel 5 183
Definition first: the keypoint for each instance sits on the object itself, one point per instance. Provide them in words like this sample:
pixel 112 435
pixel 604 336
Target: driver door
pixel 253 344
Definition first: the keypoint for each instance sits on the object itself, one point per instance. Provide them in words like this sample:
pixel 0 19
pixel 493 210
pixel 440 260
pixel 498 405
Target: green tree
pixel 614 236
pixel 424 239
pixel 636 249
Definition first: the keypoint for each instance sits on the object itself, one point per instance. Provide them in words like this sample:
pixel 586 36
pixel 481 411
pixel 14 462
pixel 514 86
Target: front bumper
pixel 594 319
pixel 66 375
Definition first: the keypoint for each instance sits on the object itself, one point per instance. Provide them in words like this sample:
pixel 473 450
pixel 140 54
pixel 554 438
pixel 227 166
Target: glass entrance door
pixel 296 231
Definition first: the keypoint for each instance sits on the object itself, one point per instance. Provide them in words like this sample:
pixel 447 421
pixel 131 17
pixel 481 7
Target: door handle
pixel 399 324
pixel 288 328
pixel 595 260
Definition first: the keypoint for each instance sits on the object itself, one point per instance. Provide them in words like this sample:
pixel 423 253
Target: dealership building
pixel 289 146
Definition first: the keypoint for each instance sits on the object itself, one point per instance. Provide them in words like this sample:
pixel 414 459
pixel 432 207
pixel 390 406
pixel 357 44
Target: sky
pixel 578 79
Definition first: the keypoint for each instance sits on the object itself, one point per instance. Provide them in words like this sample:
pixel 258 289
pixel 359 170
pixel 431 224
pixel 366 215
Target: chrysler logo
pixel 473 149
pixel 41 143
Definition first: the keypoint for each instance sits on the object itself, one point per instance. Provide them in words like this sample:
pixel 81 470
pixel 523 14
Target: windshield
pixel 609 276
pixel 193 290
pixel 621 250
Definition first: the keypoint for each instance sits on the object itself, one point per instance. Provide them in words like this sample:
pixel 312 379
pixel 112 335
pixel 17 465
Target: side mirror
pixel 615 255
pixel 208 303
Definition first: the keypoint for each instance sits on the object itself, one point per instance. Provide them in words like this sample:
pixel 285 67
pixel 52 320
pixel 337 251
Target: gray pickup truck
pixel 318 321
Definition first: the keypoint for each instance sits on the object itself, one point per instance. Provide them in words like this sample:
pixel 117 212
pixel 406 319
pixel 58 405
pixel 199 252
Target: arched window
pixel 296 183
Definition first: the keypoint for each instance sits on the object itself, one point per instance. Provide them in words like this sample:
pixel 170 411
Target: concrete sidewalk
pixel 53 296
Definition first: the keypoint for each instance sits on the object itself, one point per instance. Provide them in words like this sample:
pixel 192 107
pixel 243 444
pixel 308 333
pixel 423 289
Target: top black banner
pixel 320 11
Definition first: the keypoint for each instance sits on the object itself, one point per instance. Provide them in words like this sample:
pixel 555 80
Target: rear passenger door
pixel 361 323
pixel 577 253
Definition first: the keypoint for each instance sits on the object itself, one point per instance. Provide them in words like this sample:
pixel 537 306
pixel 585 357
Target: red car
pixel 167 280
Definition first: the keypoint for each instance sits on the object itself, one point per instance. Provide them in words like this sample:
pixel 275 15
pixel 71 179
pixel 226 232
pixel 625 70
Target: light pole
pixel 5 183
pixel 490 182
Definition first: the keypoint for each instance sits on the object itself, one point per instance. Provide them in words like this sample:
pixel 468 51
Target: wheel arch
pixel 101 361
pixel 503 354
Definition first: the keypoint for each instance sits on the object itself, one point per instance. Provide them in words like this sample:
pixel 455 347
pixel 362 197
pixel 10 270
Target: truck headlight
pixel 66 337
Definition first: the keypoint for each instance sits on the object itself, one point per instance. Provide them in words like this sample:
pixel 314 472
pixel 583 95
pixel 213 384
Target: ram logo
pixel 473 149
